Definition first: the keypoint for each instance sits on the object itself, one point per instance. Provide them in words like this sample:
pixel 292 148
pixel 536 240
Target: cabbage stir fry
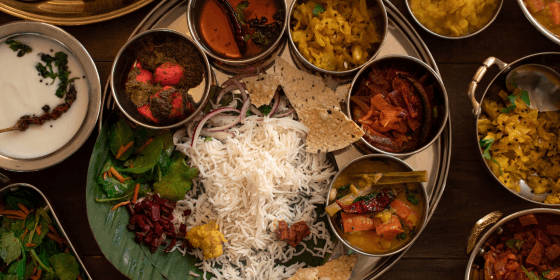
pixel 336 35
pixel 31 246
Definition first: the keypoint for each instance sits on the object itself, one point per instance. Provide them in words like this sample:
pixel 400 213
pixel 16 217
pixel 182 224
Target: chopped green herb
pixel 525 98
pixel 265 109
pixel 485 144
pixel 207 139
pixel 16 46
pixel 412 196
pixel 318 9
pixel 240 9
pixel 401 236
pixel 247 37
pixel 366 197
pixel 531 275
pixel 515 243
pixel 435 112
pixel 60 60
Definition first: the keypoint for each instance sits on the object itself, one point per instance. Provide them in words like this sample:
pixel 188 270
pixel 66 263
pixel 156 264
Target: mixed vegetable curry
pixel 546 12
pixel 377 206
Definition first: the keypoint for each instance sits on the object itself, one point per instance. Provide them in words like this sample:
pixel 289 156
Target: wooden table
pixel 471 191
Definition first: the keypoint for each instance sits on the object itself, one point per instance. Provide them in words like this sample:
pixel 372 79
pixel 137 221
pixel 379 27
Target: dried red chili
pixel 376 203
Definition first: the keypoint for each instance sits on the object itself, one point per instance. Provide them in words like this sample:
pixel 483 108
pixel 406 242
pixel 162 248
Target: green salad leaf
pixel 114 188
pixel 65 266
pixel 121 135
pixel 146 159
pixel 141 135
pixel 178 181
pixel 9 246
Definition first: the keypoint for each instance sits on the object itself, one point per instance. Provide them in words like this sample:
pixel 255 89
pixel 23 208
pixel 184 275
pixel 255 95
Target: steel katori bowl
pixel 553 37
pixel 127 57
pixel 230 65
pixel 380 158
pixel 340 76
pixel 551 60
pixel 440 100
pixel 456 37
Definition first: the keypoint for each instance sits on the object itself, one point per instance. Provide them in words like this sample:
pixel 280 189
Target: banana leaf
pixel 134 260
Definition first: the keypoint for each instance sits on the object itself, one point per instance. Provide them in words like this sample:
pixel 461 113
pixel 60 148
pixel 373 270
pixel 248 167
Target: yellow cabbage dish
pixel 208 238
pixel 336 35
pixel 523 145
pixel 453 17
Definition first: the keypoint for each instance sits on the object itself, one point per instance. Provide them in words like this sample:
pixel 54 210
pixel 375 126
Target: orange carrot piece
pixel 555 10
pixel 136 189
pixel 66 250
pixel 390 229
pixel 16 217
pixel 145 145
pixel 30 244
pixel 123 149
pixel 120 204
pixel 39 273
pixel 55 238
pixel 53 230
pixel 535 5
pixel 110 174
pixel 13 213
pixel 23 208
pixel 34 270
pixel 80 277
pixel 117 174
pixel 24 234
pixel 357 222
pixel 38 229
pixel 105 175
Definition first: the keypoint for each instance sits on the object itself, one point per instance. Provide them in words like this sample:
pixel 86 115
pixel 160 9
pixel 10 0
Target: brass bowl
pixel 424 196
pixel 126 58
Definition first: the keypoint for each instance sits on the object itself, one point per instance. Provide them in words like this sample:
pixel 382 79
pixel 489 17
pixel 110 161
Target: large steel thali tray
pixel 71 12
pixel 401 39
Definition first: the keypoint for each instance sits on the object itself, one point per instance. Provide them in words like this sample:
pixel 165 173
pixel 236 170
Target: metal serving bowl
pixel 457 37
pixel 341 76
pixel 554 38
pixel 440 95
pixel 76 49
pixel 551 60
pixel 242 65
pixel 424 195
pixel 126 58
pixel 45 204
pixel 475 246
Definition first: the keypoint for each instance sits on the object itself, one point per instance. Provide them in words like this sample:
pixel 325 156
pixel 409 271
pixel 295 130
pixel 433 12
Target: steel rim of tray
pixel 165 7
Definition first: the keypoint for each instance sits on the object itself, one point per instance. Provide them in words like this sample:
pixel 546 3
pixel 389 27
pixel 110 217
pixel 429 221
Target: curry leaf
pixel 318 9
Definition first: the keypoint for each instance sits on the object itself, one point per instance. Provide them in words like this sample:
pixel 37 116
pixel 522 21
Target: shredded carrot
pixel 123 149
pixel 33 277
pixel 120 204
pixel 39 273
pixel 24 234
pixel 80 277
pixel 145 145
pixel 117 175
pixel 135 197
pixel 66 251
pixel 110 174
pixel 30 244
pixel 64 242
pixel 53 230
pixel 38 229
pixel 16 217
pixel 23 208
pixel 131 165
pixel 34 270
pixel 13 213
pixel 55 238
pixel 105 175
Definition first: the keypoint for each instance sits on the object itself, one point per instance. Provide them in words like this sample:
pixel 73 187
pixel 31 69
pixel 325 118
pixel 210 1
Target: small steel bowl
pixel 553 37
pixel 440 96
pixel 475 245
pixel 340 76
pixel 457 37
pixel 242 65
pixel 126 58
pixel 75 48
pixel 383 158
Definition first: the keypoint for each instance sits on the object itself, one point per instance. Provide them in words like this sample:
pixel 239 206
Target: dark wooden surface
pixel 470 193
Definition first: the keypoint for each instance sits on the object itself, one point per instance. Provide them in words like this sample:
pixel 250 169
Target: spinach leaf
pixel 141 135
pixel 114 188
pixel 38 238
pixel 178 181
pixel 65 266
pixel 167 142
pixel 25 197
pixel 29 270
pixel 146 159
pixel 318 9
pixel 16 46
pixel 9 246
pixel 120 135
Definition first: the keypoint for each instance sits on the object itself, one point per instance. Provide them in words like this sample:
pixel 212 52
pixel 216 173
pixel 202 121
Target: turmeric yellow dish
pixel 453 17
pixel 520 144
pixel 336 35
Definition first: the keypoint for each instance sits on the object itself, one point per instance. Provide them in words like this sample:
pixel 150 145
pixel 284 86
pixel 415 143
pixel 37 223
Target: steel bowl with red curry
pixel 377 205
pixel 397 105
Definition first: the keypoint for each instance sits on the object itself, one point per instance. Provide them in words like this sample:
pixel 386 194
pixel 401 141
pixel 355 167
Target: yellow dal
pixel 453 17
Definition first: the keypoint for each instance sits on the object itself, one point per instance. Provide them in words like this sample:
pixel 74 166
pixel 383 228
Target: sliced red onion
pixel 220 135
pixel 222 120
pixel 275 104
pixel 224 91
pixel 238 78
pixel 256 111
pixel 240 118
pixel 281 115
pixel 206 118
pixel 241 89
pixel 244 109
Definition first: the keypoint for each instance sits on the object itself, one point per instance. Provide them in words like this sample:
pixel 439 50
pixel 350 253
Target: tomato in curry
pixel 388 229
pixel 546 12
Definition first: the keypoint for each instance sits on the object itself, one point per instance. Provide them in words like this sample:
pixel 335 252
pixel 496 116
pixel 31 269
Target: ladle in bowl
pixel 542 84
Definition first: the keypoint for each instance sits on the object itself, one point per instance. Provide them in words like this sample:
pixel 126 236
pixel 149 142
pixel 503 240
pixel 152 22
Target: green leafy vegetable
pixel 525 98
pixel 259 39
pixel 9 246
pixel 114 188
pixel 515 243
pixel 40 262
pixel 178 181
pixel 240 9
pixel 265 109
pixel 60 60
pixel 16 46
pixel 65 266
pixel 167 142
pixel 207 139
pixel 121 135
pixel 318 9
pixel 485 144
pixel 531 275
pixel 141 135
pixel 412 196
pixel 365 197
pixel 146 159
